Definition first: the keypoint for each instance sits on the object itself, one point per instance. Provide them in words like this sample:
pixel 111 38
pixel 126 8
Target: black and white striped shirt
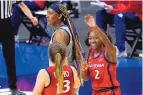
pixel 6 8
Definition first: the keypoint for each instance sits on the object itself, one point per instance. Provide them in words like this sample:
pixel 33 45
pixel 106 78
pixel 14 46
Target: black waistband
pixel 106 89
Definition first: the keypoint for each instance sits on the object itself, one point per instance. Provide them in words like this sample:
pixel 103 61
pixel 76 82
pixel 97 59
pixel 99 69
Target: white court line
pixel 6 92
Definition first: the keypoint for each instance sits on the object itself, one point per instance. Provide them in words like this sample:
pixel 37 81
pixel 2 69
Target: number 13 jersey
pixel 68 83
pixel 101 71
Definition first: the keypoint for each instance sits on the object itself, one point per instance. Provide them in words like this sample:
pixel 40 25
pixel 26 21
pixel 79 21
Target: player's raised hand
pixel 84 66
pixel 90 21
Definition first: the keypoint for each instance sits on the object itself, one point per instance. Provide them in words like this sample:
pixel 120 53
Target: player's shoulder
pixel 42 72
pixel 61 31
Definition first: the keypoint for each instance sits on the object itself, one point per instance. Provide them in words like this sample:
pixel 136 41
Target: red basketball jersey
pixel 68 88
pixel 101 71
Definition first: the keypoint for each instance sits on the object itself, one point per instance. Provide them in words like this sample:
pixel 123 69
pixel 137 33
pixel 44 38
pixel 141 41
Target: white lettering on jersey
pixel 96 65
pixel 66 74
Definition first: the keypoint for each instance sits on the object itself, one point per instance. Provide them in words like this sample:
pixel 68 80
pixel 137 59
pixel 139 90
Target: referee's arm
pixel 28 13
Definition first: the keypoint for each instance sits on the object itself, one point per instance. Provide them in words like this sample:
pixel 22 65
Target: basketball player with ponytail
pixel 58 79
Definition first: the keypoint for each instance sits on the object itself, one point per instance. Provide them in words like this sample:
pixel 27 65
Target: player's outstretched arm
pixel 109 47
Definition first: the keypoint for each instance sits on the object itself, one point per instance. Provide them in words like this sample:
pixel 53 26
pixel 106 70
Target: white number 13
pixel 67 86
pixel 97 74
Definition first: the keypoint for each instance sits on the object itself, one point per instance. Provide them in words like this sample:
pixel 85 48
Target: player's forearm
pixel 85 75
pixel 26 10
pixel 102 36
pixel 109 47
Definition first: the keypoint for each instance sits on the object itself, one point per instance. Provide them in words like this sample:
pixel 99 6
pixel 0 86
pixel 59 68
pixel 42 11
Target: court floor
pixel 31 58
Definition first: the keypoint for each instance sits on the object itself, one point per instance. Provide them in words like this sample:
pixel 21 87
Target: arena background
pixel 30 58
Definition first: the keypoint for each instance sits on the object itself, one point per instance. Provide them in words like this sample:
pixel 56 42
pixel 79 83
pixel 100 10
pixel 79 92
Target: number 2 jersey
pixel 68 83
pixel 101 71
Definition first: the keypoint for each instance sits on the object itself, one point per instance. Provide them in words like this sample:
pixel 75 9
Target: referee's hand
pixel 34 21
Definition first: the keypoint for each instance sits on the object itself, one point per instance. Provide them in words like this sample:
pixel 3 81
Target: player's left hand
pixel 84 66
pixel 90 21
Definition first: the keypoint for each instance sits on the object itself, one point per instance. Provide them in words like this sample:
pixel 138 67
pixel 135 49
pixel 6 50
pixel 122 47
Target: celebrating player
pixel 101 62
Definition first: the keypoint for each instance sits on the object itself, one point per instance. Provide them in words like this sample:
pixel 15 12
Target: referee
pixel 7 39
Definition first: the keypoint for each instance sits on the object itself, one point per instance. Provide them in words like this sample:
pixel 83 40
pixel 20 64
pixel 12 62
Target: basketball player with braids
pixel 101 62
pixel 65 33
pixel 58 79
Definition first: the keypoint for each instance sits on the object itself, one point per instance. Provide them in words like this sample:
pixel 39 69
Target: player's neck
pixel 58 24
pixel 97 51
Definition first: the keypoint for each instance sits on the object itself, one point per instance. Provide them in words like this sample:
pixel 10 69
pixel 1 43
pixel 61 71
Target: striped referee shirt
pixel 6 8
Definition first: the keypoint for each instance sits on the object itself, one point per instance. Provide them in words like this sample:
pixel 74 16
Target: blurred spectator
pixel 17 13
pixel 73 7
pixel 125 13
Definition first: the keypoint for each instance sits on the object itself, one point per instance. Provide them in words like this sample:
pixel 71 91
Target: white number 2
pixel 67 86
pixel 97 74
